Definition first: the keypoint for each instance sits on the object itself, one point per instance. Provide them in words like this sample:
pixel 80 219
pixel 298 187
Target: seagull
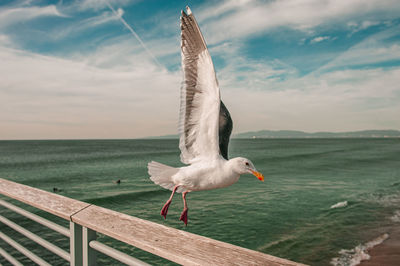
pixel 205 126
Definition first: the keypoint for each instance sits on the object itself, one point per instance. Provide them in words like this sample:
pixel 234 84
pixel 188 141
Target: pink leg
pixel 164 209
pixel 184 214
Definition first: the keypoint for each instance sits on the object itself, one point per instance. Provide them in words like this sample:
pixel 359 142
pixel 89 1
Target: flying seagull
pixel 205 126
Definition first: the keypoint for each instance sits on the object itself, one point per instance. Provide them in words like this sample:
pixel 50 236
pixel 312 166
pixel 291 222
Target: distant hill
pixel 175 136
pixel 301 134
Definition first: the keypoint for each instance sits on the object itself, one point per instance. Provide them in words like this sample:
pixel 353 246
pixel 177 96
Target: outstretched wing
pixel 200 96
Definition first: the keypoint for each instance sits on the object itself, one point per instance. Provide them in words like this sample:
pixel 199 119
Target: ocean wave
pixel 386 200
pixel 395 184
pixel 396 217
pixel 340 204
pixel 123 197
pixel 352 257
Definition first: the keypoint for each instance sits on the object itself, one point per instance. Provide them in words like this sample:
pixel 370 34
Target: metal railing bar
pixel 23 250
pixel 53 248
pixel 116 254
pixel 10 258
pixel 58 228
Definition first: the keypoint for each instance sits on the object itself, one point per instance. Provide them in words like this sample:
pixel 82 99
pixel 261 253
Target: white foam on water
pixel 339 205
pixel 352 257
pixel 396 217
pixel 385 200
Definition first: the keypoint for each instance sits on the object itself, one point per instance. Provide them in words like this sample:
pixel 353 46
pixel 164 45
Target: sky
pixel 111 69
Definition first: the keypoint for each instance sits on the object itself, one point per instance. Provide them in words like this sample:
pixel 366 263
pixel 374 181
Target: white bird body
pixel 200 175
pixel 205 126
pixel 206 175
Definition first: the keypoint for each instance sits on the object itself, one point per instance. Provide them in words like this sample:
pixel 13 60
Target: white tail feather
pixel 161 174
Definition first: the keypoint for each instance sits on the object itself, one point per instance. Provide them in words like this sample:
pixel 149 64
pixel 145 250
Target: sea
pixel 323 202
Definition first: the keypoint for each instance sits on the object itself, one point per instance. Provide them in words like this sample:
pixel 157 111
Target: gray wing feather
pixel 225 130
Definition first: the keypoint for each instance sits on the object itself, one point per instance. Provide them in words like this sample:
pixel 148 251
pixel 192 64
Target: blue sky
pixel 73 69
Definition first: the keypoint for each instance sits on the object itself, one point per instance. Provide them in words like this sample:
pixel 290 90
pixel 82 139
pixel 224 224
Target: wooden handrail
pixel 170 243
pixel 56 204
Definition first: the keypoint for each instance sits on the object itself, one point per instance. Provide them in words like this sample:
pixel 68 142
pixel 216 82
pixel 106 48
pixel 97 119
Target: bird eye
pixel 247 164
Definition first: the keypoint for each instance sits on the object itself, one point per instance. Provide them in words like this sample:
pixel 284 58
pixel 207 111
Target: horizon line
pixel 177 135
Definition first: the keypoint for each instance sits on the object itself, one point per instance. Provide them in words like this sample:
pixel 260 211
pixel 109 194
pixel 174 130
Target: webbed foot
pixel 164 209
pixel 184 216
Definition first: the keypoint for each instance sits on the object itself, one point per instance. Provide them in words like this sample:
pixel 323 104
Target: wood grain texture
pixel 56 204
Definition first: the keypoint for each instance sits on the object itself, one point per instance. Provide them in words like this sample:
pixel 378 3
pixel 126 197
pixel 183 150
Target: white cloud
pixel 221 9
pixel 4 40
pixel 337 101
pixel 104 18
pixel 117 91
pixel 97 5
pixel 86 24
pixel 47 97
pixel 10 16
pixel 305 15
pixel 320 39
pixel 272 95
pixel 372 50
pixel 362 25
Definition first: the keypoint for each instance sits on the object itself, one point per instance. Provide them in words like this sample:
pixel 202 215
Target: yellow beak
pixel 258 175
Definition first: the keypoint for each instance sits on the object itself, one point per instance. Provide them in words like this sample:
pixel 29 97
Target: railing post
pixel 75 246
pixel 89 254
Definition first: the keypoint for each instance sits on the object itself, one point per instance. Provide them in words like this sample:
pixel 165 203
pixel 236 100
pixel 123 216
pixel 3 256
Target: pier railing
pixel 86 220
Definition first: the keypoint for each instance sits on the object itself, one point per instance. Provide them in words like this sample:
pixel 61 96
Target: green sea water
pixel 289 215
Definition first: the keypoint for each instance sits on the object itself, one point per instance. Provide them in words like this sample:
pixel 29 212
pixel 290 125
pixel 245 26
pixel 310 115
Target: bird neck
pixel 232 165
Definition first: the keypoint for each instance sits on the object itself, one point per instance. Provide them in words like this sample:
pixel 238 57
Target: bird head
pixel 245 166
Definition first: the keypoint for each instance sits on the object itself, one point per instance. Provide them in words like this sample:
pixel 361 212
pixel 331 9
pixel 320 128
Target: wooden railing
pixel 87 219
